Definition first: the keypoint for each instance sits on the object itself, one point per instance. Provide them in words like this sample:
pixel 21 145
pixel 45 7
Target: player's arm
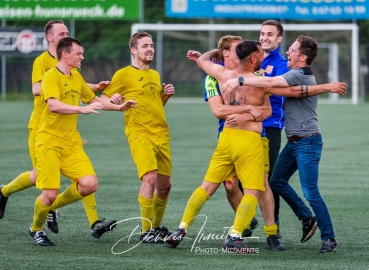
pixel 279 86
pixel 36 88
pixel 56 106
pixel 168 91
pixel 98 87
pixel 109 106
pixel 238 119
pixel 257 82
pixel 301 91
pixel 206 64
pixel 221 111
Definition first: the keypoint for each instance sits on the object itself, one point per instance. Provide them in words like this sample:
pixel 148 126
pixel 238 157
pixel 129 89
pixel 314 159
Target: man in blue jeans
pixel 304 146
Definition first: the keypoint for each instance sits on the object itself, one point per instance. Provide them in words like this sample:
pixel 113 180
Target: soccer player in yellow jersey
pixel 227 50
pixel 54 31
pixel 147 133
pixel 58 144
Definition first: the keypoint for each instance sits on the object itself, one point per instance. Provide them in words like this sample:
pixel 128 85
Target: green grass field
pixel 343 184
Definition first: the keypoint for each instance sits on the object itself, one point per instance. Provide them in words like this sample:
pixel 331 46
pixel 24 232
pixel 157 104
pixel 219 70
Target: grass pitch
pixel 343 184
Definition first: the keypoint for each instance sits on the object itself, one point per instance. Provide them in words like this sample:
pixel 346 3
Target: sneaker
pixel 40 238
pixel 162 231
pixel 253 225
pixel 100 227
pixel 308 229
pixel 51 221
pixel 329 246
pixel 274 243
pixel 151 236
pixel 234 244
pixel 278 230
pixel 176 237
pixel 3 201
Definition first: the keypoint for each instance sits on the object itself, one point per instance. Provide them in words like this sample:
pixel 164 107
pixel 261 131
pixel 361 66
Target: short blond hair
pixel 225 44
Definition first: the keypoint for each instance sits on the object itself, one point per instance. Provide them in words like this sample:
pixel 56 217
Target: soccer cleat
pixel 253 225
pixel 308 228
pixel 162 231
pixel 274 243
pixel 151 236
pixel 100 227
pixel 51 221
pixel 329 246
pixel 40 238
pixel 234 244
pixel 3 201
pixel 176 237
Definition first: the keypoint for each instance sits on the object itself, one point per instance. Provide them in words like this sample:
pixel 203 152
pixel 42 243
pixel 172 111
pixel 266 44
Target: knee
pixel 230 187
pixel 33 177
pixel 47 197
pixel 87 185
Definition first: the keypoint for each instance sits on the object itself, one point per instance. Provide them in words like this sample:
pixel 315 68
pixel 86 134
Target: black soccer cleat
pixel 40 238
pixel 308 229
pixel 3 201
pixel 151 236
pixel 274 243
pixel 100 227
pixel 162 231
pixel 176 237
pixel 329 246
pixel 51 221
pixel 248 232
pixel 234 244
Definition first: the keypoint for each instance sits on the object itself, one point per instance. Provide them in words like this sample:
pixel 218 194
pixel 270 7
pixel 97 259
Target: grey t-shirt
pixel 300 113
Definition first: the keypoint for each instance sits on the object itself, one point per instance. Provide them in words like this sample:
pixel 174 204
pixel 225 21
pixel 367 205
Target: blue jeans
pixel 303 155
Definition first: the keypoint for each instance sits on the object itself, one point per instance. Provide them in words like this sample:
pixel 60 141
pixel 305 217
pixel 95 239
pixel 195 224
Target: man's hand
pixel 128 104
pixel 116 99
pixel 193 55
pixel 338 87
pixel 102 85
pixel 237 119
pixel 92 108
pixel 257 113
pixel 168 89
pixel 230 85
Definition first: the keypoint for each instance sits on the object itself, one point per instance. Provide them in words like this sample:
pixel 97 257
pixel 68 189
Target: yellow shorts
pixel 32 145
pixel 243 150
pixel 71 161
pixel 149 155
pixel 266 153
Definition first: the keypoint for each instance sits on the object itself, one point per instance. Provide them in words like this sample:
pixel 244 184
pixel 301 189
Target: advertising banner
pixel 270 9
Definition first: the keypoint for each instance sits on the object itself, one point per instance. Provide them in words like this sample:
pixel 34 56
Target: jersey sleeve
pixel 115 85
pixel 37 71
pixel 211 87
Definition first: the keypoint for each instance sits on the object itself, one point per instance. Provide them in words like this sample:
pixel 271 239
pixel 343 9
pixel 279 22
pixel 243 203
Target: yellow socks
pixel 21 182
pixel 147 212
pixel 89 203
pixel 159 206
pixel 39 215
pixel 244 214
pixel 194 205
pixel 70 195
pixel 270 230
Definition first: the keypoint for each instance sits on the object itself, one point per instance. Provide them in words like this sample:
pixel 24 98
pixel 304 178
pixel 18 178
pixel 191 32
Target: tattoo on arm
pixel 302 93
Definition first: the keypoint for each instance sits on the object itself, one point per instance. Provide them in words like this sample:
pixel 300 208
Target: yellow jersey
pixel 61 129
pixel 42 63
pixel 148 119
